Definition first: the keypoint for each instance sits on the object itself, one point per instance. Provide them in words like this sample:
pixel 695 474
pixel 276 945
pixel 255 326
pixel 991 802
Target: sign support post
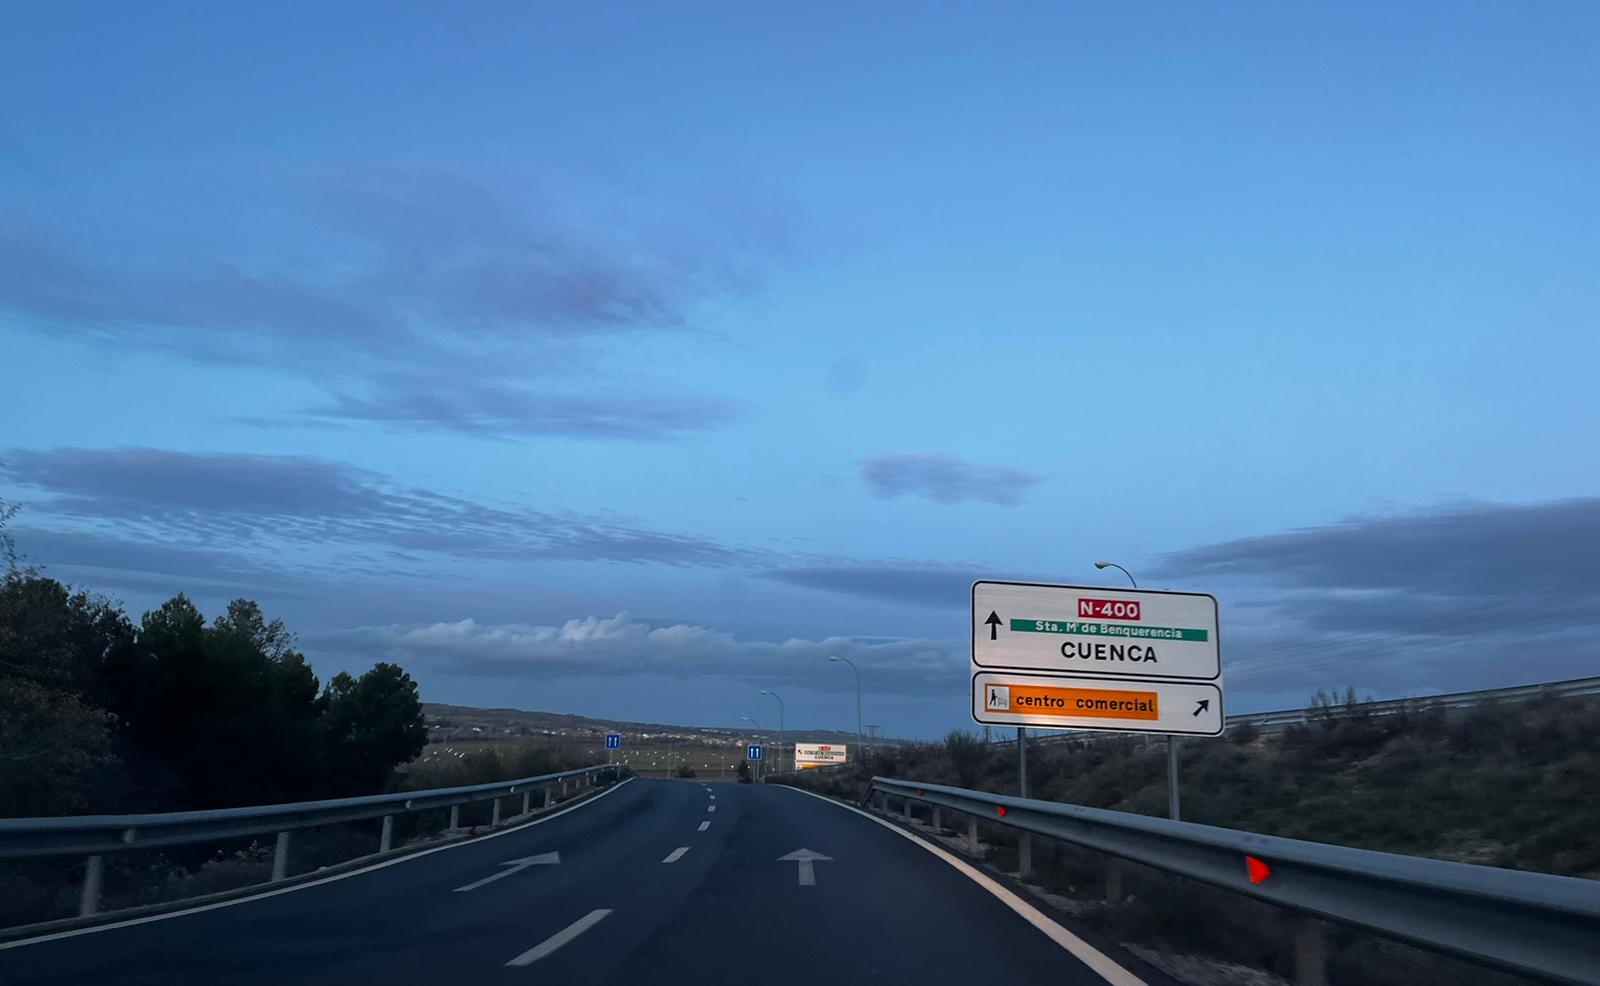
pixel 1172 777
pixel 1022 761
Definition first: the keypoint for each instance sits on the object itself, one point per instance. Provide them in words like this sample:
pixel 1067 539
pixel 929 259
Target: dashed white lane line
pixel 1103 965
pixel 713 797
pixel 705 825
pixel 711 807
pixel 561 937
pixel 676 854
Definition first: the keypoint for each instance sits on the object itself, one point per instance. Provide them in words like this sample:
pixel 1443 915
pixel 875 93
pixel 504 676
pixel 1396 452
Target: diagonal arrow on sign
pixel 513 866
pixel 805 857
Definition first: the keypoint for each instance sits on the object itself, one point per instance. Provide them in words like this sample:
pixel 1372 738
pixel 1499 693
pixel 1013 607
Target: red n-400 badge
pixel 1108 609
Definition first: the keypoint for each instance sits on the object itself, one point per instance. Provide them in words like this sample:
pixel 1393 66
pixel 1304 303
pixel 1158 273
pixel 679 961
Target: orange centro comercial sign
pixel 1097 703
pixel 1015 698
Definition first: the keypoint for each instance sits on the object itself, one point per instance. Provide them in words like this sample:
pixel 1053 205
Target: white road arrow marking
pixel 561 937
pixel 805 857
pixel 513 866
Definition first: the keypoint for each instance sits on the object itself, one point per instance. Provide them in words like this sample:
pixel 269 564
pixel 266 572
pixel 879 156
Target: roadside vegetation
pixel 1505 785
pixel 1498 784
pixel 102 714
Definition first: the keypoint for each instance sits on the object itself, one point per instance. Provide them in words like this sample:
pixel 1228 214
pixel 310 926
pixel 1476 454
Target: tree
pixel 374 723
pixel 55 741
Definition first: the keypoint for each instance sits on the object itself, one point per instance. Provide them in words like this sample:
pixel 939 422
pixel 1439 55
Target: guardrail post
pixel 93 870
pixel 386 840
pixel 1024 855
pixel 549 797
pixel 527 802
pixel 494 814
pixel 455 817
pixel 280 857
pixel 563 787
pixel 1310 953
pixel 906 807
pixel 938 820
pixel 972 833
pixel 1114 870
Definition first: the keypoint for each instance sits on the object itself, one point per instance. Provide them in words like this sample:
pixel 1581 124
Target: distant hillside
pixel 450 723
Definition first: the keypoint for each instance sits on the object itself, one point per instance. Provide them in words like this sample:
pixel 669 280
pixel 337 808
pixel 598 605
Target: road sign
pixel 753 751
pixel 1011 698
pixel 819 754
pixel 613 741
pixel 1095 631
pixel 1089 657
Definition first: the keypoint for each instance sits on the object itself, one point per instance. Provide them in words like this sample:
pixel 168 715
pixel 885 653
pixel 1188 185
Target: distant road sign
pixel 613 741
pixel 753 751
pixel 819 754
pixel 1011 698
pixel 1089 657
pixel 1095 631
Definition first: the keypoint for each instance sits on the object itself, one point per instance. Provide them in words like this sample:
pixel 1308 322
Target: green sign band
pixel 1109 630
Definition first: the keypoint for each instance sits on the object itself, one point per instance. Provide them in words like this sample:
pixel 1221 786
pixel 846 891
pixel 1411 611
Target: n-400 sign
pixel 1095 631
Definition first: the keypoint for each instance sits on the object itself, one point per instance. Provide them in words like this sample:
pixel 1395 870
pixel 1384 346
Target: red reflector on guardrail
pixel 1000 810
pixel 1258 870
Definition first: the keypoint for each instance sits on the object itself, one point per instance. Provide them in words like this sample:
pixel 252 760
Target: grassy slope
pixel 1501 785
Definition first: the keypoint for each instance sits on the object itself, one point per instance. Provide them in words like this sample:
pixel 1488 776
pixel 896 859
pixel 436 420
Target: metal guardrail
pixel 95 835
pixel 1523 922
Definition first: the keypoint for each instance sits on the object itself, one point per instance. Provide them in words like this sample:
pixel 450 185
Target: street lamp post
pixel 1172 741
pixel 1112 564
pixel 780 725
pixel 861 749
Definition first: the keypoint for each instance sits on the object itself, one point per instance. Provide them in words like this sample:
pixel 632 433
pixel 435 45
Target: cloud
pixel 363 274
pixel 944 479
pixel 112 563
pixel 932 585
pixel 1444 598
pixel 623 645
pixel 495 410
pixel 241 500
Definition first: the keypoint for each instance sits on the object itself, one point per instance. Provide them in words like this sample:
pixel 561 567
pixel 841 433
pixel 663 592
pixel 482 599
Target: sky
pixel 628 359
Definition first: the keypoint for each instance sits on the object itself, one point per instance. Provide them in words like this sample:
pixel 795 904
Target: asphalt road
pixel 613 910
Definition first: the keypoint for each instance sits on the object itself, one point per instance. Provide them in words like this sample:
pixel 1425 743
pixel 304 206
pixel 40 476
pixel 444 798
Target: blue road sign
pixel 613 741
pixel 753 751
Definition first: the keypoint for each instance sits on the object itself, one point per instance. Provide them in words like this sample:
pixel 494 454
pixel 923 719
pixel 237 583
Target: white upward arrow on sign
pixel 513 866
pixel 805 857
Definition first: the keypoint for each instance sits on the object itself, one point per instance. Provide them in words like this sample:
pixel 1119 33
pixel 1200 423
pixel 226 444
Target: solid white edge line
pixel 561 937
pixel 1102 964
pixel 705 825
pixel 73 933
pixel 676 854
